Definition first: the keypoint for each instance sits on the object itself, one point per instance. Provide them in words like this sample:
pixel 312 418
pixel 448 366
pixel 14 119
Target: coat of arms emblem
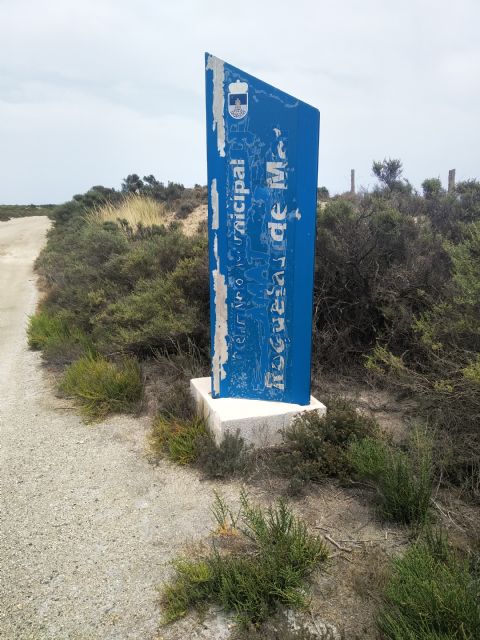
pixel 238 99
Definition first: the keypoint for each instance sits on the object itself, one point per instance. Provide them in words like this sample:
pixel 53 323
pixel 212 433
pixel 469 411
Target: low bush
pixel 160 312
pixel 184 438
pixel 404 479
pixel 267 568
pixel 450 212
pixel 378 268
pixel 73 266
pixel 440 369
pixel 103 387
pixel 226 459
pixel 432 594
pixel 131 291
pixel 148 258
pixel 58 337
pixel 181 440
pixel 316 447
pixel 185 209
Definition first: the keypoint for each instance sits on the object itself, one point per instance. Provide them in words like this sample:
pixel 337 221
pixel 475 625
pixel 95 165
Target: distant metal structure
pixel 262 151
pixel 451 181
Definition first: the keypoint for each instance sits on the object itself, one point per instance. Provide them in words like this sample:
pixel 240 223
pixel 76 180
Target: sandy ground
pixel 87 525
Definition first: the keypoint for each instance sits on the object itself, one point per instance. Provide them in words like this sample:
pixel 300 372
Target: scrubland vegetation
pixel 9 211
pixel 433 592
pixel 396 304
pixel 402 477
pixel 269 556
pixel 101 386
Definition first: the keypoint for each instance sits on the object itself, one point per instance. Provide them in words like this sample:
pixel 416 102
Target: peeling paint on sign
pixel 218 103
pixel 220 347
pixel 214 204
pixel 262 147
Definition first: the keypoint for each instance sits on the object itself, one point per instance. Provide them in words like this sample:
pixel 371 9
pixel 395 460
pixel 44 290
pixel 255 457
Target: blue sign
pixel 262 148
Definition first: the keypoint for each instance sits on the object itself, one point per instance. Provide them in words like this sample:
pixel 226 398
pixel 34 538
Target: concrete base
pixel 259 421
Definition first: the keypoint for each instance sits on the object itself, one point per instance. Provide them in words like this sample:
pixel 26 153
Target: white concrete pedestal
pixel 259 421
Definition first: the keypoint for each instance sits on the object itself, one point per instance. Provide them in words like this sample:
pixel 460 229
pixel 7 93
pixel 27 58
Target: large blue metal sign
pixel 262 147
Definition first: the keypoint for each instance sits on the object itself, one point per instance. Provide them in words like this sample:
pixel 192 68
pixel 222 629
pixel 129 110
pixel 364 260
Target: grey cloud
pixel 93 90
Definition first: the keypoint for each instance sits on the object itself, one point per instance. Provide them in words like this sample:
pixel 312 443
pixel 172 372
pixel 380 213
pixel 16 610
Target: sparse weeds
pixel 403 478
pixel 103 387
pixel 225 518
pixel 271 569
pixel 431 594
pixel 177 432
pixel 370 573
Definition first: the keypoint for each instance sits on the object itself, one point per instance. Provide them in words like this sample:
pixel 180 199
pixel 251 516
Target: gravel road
pixel 87 525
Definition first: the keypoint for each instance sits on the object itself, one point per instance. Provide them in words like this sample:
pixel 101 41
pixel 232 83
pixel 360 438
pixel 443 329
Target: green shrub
pixel 277 554
pixel 180 440
pixel 73 266
pixel 440 369
pixel 450 212
pixel 153 256
pixel 377 270
pixel 316 447
pixel 432 188
pixel 132 292
pixel 161 312
pixel 103 387
pixel 431 595
pixel 448 399
pixel 404 479
pixel 44 326
pixel 57 336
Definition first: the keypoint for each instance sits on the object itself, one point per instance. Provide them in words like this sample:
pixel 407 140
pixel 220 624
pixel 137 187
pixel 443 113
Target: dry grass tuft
pixel 137 211
pixel 143 212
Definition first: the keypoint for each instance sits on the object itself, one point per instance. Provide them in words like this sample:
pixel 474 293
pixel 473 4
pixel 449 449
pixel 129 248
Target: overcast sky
pixel 92 90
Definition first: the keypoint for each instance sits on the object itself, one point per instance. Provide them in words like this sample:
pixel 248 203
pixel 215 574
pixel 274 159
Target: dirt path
pixel 87 525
